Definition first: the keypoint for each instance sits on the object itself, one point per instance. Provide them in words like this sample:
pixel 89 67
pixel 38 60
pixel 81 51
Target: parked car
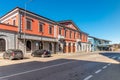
pixel 13 54
pixel 41 53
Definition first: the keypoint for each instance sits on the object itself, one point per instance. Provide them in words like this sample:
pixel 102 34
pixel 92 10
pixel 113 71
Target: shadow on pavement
pixel 112 55
pixel 59 69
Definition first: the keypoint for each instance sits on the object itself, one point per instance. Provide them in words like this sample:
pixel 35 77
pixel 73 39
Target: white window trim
pixel 59 30
pixel 66 32
pixel 26 24
pixel 52 26
pixel 13 20
pixel 8 17
pixel 74 35
pixel 70 34
pixel 39 26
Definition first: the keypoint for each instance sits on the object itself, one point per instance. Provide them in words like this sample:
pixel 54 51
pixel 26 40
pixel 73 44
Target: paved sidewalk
pixel 60 54
pixel 29 58
pixel 69 54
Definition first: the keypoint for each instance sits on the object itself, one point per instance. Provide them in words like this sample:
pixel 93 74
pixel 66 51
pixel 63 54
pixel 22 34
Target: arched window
pixel 69 47
pixel 73 47
pixel 40 45
pixel 59 47
pixel 64 47
pixel 50 46
pixel 2 45
pixel 28 45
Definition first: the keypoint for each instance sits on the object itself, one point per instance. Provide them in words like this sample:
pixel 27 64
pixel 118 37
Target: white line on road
pixel 114 57
pixel 104 67
pixel 109 64
pixel 36 70
pixel 87 78
pixel 98 71
pixel 3 79
pixel 119 58
pixel 110 56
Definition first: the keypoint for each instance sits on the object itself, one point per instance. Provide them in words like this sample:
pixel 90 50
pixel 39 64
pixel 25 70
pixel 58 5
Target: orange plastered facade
pixel 8 27
pixel 35 28
pixel 16 21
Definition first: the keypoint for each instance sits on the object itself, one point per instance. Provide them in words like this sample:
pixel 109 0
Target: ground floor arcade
pixel 29 43
pixel 73 46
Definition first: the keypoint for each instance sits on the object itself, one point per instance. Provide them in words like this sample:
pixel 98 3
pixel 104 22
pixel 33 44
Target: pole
pixel 25 5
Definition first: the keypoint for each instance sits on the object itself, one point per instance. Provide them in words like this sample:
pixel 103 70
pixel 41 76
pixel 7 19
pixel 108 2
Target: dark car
pixel 13 54
pixel 41 53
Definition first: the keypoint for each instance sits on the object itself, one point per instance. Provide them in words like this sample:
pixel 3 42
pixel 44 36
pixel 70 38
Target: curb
pixel 63 54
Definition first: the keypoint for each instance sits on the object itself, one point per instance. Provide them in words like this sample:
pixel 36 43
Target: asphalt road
pixel 93 67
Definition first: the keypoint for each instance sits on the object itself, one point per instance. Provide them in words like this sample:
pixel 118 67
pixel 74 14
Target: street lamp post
pixel 25 5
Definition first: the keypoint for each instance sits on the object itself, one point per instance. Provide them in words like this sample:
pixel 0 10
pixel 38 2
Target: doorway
pixel 2 45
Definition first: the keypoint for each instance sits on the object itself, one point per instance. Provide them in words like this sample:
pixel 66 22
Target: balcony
pixel 60 37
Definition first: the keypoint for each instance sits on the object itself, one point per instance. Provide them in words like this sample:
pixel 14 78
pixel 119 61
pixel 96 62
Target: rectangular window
pixel 50 29
pixel 60 31
pixel 65 32
pixel 74 35
pixel 80 35
pixel 70 34
pixel 29 24
pixel 41 26
pixel 14 22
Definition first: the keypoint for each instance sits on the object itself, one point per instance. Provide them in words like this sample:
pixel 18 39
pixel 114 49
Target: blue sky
pixel 99 18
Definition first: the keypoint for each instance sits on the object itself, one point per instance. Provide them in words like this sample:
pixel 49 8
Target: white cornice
pixel 8 14
pixel 9 17
pixel 36 16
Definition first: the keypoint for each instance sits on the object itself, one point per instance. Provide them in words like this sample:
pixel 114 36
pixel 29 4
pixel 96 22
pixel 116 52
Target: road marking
pixel 87 78
pixel 104 67
pixel 36 70
pixel 109 64
pixel 119 58
pixel 110 56
pixel 114 57
pixel 98 71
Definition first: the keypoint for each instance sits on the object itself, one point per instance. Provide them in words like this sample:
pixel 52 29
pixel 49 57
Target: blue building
pixel 98 44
